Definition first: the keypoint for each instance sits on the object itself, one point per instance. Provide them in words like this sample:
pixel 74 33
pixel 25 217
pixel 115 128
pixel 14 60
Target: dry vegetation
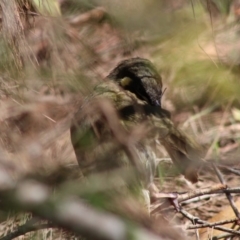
pixel 52 56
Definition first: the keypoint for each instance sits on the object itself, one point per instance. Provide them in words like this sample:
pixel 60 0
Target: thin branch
pixel 199 221
pixel 198 194
pixel 65 209
pixel 213 224
pixel 229 169
pixel 228 195
pixel 194 194
pixel 225 236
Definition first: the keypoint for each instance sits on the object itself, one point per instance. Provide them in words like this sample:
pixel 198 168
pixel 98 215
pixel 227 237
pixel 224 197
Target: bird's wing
pixel 185 153
pixel 94 137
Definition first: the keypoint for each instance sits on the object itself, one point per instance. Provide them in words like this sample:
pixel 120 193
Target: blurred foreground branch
pixel 31 225
pixel 70 212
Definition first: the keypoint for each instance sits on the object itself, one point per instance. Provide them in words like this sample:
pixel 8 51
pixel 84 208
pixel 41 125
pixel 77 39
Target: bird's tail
pixel 185 154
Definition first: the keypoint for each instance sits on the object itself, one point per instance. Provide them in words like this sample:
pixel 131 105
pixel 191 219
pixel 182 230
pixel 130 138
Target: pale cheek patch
pixel 126 81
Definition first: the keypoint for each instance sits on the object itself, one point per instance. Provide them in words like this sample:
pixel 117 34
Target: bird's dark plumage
pixel 134 90
pixel 140 77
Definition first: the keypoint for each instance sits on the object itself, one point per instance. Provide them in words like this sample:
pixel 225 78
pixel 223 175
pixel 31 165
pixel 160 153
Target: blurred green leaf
pixel 47 7
pixel 223 5
pixel 236 114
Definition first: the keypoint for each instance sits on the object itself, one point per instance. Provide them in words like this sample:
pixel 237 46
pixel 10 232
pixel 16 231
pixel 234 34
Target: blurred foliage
pixel 7 65
pixel 194 76
pixel 215 7
pixel 176 33
pixel 47 7
pixel 236 114
pixel 72 47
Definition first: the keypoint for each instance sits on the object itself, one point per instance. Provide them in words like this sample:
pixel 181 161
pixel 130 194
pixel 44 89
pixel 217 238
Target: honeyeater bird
pixel 123 123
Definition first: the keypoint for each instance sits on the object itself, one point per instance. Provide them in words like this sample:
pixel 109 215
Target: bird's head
pixel 139 76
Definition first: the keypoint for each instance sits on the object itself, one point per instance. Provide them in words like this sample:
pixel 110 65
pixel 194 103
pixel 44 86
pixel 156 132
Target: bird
pixel 125 107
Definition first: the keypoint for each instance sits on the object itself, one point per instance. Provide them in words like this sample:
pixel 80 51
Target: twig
pixel 229 169
pixel 228 195
pixel 199 221
pixel 225 236
pixel 193 219
pixel 197 193
pixel 213 224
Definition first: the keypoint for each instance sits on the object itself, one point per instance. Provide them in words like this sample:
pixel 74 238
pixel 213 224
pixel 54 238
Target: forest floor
pixel 87 46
